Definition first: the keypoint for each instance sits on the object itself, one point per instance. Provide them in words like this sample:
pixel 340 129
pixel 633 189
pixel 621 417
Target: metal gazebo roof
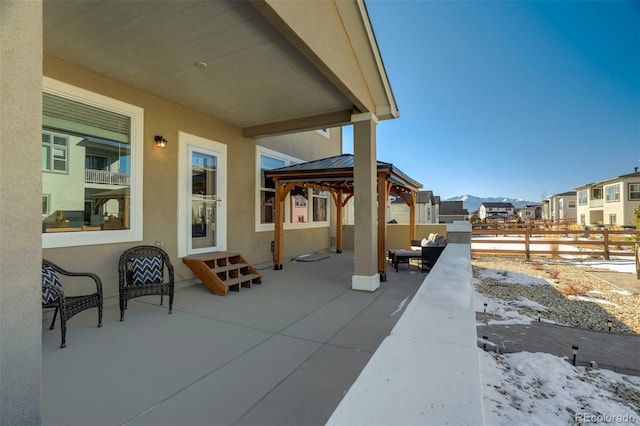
pixel 335 174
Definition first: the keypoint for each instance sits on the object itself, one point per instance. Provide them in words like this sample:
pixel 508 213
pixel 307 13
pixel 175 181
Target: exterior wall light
pixel 161 142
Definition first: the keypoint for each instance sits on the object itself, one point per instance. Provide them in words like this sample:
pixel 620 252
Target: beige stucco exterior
pixel 160 190
pixel 20 189
pixel 326 48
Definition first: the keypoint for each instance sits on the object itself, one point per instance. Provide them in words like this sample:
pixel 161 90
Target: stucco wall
pixel 397 234
pixel 20 205
pixel 160 182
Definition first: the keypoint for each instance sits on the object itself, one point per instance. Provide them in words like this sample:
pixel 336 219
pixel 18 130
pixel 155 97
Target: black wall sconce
pixel 161 142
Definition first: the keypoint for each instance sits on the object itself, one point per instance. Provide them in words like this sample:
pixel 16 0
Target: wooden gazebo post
pixel 278 221
pixel 412 217
pixel 340 202
pixel 337 198
pixel 278 218
pixel 383 196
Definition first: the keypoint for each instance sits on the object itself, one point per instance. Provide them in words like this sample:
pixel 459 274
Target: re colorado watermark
pixel 580 418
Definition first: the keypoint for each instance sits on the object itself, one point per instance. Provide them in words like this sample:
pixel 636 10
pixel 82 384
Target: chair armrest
pixel 94 277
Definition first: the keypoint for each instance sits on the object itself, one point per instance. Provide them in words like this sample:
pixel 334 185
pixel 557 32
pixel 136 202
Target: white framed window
pixel 78 124
pixel 582 219
pixel 634 191
pixel 571 204
pixel 55 152
pixel 612 193
pixel 582 197
pixel 612 219
pixel 304 207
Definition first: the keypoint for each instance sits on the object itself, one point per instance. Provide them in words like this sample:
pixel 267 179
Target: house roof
pixel 602 182
pixel 259 65
pixel 498 205
pixel 450 208
pixel 337 172
pixel 424 197
pixel 564 194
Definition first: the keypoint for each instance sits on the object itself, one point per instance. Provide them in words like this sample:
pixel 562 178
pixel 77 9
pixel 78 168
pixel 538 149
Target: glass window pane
pixel 319 209
pixel 46 163
pixel 57 140
pixel 299 203
pixel 266 206
pixel 268 163
pixel 93 198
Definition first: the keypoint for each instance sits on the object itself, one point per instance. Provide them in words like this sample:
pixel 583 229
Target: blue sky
pixel 509 98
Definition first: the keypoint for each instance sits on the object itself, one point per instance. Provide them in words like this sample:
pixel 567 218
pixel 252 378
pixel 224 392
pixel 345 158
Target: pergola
pixel 335 175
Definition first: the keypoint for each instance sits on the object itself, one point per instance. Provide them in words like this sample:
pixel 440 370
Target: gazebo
pixel 335 175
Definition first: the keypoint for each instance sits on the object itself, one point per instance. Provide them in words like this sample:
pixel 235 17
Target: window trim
pixel 606 193
pixel 134 233
pixel 583 200
pixel 629 198
pixel 270 227
pixel 52 158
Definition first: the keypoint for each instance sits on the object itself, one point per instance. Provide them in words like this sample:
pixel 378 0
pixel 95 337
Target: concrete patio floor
pixel 282 353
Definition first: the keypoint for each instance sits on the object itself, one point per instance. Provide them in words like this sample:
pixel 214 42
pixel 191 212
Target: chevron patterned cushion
pixel 147 270
pixel 49 276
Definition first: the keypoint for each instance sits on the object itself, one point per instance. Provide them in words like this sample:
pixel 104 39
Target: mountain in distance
pixel 472 203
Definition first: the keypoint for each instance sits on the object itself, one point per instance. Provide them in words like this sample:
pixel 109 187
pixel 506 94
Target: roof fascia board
pixel 369 59
pixel 332 119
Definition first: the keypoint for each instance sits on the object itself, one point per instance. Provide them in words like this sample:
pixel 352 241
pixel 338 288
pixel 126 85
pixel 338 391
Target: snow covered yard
pixel 543 389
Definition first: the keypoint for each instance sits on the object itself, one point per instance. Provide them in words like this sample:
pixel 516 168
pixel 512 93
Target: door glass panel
pixel 204 200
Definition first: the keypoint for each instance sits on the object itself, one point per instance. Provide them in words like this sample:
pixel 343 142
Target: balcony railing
pixel 106 177
pixel 596 203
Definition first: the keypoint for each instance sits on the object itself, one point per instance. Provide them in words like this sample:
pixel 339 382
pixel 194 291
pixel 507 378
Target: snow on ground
pixel 543 389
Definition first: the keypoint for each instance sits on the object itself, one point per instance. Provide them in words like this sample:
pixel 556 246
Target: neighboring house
pixel 428 206
pixel 560 207
pixel 451 211
pixel 495 211
pixel 610 201
pixel 229 88
pixel 427 210
pixel 530 212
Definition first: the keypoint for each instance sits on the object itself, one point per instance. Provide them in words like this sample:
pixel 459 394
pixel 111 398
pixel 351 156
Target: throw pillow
pixel 49 276
pixel 147 270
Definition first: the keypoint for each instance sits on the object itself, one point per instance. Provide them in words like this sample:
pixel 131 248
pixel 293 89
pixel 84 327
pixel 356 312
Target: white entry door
pixel 205 199
pixel 202 213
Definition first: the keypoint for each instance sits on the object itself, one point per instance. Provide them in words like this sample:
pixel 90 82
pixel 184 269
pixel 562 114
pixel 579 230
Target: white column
pixel 366 275
pixel 20 208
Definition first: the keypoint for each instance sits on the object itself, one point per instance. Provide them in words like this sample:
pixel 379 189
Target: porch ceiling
pixel 253 75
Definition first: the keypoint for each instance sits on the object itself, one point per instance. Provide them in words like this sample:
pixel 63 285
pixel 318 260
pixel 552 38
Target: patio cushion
pixel 49 276
pixel 147 270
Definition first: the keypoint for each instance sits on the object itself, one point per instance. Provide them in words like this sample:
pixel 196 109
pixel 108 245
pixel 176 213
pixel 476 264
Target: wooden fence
pixel 525 242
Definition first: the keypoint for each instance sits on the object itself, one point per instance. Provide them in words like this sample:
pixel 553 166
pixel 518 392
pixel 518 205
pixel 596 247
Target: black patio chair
pixel 430 256
pixel 141 272
pixel 53 296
